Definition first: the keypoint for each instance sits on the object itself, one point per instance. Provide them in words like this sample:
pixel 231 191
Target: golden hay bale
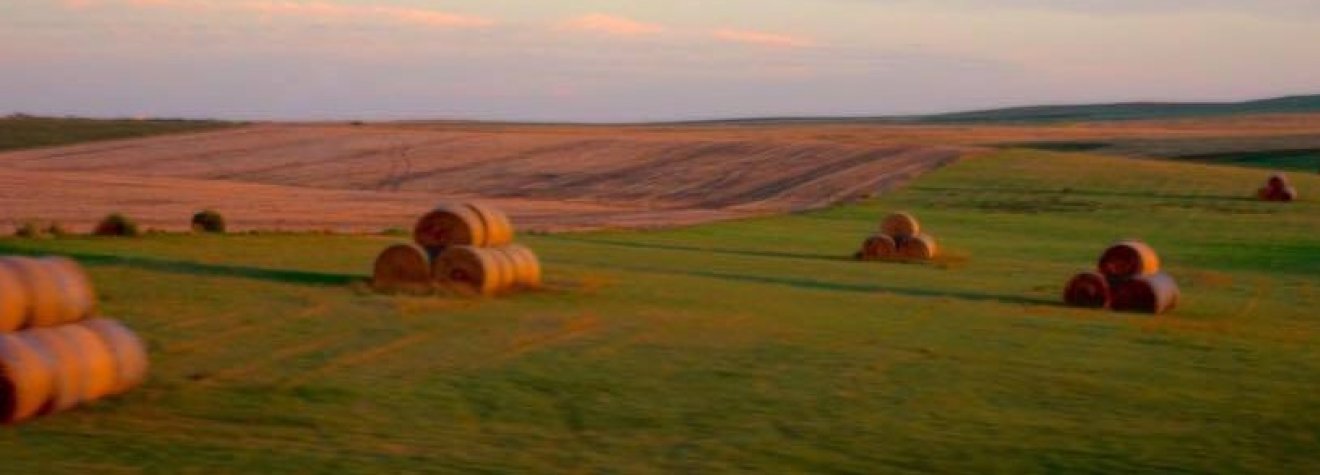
pixel 1129 258
pixel 1088 289
pixel 527 268
pixel 43 288
pixel 449 225
pixel 499 230
pixel 900 225
pixel 26 380
pixel 919 247
pixel 79 300
pixel 67 367
pixel 879 246
pixel 470 267
pixel 13 300
pixel 401 267
pixel 1154 293
pixel 130 354
pixel 505 265
pixel 99 372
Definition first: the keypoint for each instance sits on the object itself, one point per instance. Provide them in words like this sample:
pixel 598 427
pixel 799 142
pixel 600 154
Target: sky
pixel 639 60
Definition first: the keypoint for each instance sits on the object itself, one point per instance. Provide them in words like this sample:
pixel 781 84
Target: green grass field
pixel 751 346
pixel 26 131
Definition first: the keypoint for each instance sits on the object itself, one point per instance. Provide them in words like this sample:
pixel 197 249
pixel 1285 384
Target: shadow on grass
pixel 1076 192
pixel 706 250
pixel 197 268
pixel 815 284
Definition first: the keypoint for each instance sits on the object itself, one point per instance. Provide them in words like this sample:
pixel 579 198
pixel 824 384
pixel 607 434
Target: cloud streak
pixel 761 38
pixel 610 25
pixel 313 10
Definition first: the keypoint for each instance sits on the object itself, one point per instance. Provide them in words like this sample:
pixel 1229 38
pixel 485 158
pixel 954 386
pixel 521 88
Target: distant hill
pixel 1064 113
pixel 1129 111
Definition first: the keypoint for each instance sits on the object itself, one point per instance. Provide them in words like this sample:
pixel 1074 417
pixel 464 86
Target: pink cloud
pixel 320 10
pixel 611 25
pixel 761 38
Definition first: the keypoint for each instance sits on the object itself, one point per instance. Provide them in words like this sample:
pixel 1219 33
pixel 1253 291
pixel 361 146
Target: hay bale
pixel 78 299
pixel 498 228
pixel 527 268
pixel 1088 289
pixel 26 380
pixel 130 354
pixel 99 372
pixel 67 366
pixel 1153 293
pixel 449 225
pixel 920 247
pixel 44 289
pixel 900 225
pixel 505 266
pixel 1286 194
pixel 401 267
pixel 1277 181
pixel 469 267
pixel 879 246
pixel 1129 258
pixel 13 300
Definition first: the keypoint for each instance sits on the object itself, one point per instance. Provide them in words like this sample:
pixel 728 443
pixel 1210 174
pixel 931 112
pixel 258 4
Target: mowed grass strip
pixel 22 131
pixel 744 346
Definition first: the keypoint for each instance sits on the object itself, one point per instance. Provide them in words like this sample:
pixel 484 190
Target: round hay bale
pixel 529 266
pixel 506 266
pixel 468 266
pixel 44 290
pixel 401 267
pixel 919 247
pixel 1277 181
pixel 1088 289
pixel 499 230
pixel 879 246
pixel 26 380
pixel 449 225
pixel 67 366
pixel 1129 258
pixel 130 354
pixel 1154 294
pixel 14 302
pixel 900 225
pixel 79 300
pixel 1286 194
pixel 100 374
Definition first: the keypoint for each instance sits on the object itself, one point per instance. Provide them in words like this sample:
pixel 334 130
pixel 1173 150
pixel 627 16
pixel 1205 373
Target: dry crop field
pixel 750 345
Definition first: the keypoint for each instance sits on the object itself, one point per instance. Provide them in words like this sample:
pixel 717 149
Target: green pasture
pixel 752 346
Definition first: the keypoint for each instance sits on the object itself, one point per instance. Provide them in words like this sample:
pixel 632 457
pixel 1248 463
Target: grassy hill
pixel 20 131
pixel 1130 111
pixel 749 346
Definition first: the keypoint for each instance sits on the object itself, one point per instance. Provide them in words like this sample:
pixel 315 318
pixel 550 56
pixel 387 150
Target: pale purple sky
pixel 634 60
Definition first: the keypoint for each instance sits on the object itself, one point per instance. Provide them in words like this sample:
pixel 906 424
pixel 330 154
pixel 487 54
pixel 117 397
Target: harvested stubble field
pixel 549 177
pixel 750 346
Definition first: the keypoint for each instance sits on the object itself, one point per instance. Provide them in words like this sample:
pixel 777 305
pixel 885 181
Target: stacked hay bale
pixel 1128 279
pixel 54 354
pixel 467 245
pixel 900 238
pixel 1277 189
